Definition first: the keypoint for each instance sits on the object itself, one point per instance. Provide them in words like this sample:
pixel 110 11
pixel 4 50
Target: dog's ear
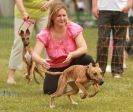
pixel 21 33
pixel 90 65
pixel 97 64
pixel 27 32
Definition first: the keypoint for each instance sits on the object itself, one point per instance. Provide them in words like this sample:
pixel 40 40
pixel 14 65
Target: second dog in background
pixel 31 66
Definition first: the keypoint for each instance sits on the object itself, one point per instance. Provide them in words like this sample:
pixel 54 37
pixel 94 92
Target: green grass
pixel 116 95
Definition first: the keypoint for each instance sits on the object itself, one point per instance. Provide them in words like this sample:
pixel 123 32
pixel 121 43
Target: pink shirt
pixel 57 51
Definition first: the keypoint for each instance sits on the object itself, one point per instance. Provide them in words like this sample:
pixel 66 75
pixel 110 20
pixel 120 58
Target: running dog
pixel 77 77
pixel 32 67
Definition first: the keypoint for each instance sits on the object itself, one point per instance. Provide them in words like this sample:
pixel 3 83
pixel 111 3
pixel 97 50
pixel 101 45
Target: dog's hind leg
pixel 58 93
pixel 61 87
pixel 71 88
pixel 51 103
pixel 74 90
pixel 71 100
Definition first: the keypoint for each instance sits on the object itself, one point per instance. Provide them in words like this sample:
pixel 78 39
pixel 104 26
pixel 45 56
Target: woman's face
pixel 60 19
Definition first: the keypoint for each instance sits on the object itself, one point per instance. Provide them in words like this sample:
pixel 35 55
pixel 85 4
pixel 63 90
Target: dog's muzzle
pixel 100 82
pixel 26 44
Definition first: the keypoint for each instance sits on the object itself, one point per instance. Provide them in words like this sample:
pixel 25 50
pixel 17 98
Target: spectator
pixel 81 6
pixel 131 24
pixel 25 9
pixel 112 16
pixel 64 44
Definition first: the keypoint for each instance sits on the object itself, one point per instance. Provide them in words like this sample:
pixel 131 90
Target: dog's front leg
pixel 82 88
pixel 28 72
pixel 32 70
pixel 96 89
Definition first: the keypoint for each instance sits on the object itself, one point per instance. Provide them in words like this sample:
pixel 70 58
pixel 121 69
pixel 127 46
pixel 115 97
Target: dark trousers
pixel 117 22
pixel 131 28
pixel 51 82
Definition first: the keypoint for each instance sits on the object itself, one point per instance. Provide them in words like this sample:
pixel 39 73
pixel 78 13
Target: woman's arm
pixel 21 8
pixel 81 48
pixel 47 4
pixel 36 55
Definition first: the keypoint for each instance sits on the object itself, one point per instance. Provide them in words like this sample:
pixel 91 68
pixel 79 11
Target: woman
pixel 64 45
pixel 34 10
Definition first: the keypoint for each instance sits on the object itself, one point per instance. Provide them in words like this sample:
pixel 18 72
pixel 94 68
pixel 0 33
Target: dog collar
pixel 87 75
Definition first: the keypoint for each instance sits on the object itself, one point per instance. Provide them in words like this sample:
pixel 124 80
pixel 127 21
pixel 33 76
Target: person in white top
pixel 112 16
pixel 130 15
pixel 81 5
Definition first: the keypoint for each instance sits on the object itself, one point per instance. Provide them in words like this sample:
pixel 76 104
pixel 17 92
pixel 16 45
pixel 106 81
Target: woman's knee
pixel 87 59
pixel 83 60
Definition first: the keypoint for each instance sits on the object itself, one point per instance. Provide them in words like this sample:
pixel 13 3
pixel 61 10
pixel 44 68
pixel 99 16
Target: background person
pixel 64 44
pixel 111 15
pixel 25 9
pixel 130 24
pixel 81 6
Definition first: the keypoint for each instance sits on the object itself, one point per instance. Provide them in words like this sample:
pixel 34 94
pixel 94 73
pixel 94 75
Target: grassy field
pixel 116 95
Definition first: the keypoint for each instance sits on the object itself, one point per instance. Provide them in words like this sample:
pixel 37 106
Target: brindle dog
pixel 78 77
pixel 32 67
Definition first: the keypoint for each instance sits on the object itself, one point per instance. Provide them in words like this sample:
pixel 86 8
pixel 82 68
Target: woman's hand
pixel 126 9
pixel 27 18
pixel 45 63
pixel 69 58
pixel 45 6
pixel 25 15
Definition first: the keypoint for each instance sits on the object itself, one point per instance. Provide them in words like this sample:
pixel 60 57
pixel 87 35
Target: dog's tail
pixel 53 73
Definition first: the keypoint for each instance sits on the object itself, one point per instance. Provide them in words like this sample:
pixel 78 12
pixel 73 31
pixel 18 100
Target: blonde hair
pixel 55 7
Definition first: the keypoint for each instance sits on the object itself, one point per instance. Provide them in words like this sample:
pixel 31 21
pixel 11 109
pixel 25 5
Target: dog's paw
pixel 52 106
pixel 27 76
pixel 30 80
pixel 74 103
pixel 83 96
pixel 92 95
